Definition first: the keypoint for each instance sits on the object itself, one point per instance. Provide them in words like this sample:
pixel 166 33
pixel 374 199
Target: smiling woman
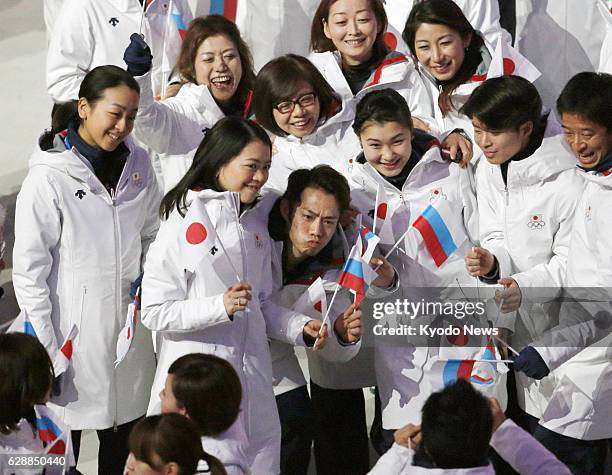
pixel 85 216
pixel 217 72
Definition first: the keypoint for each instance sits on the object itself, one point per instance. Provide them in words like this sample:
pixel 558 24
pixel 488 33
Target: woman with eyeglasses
pixel 293 101
pixel 216 68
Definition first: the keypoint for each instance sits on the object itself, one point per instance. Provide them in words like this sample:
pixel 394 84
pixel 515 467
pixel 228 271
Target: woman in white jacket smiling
pixel 216 67
pixel 199 306
pixel 293 101
pixel 85 215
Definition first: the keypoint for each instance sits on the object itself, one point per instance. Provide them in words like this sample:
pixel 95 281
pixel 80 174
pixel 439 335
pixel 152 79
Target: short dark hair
pixel 208 388
pixel 505 102
pixel 278 81
pixel 589 95
pixel 169 438
pixel 457 425
pixel 224 141
pixel 204 27
pixel 320 43
pixel 321 177
pixel 382 106
pixel 26 375
pixel 448 13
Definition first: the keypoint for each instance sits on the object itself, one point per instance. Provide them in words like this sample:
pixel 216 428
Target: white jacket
pixel 527 224
pixel 402 370
pixel 90 33
pixel 396 72
pixel 605 57
pixel 76 253
pixel 332 143
pixel 581 399
pixel 187 309
pixel 482 15
pixel 516 446
pixel 175 127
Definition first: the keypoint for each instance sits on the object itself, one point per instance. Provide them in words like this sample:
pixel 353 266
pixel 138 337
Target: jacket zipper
pixel 117 291
pixel 236 206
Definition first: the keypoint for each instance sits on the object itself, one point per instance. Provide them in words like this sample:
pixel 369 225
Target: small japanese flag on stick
pixel 313 298
pixel 64 355
pixel 507 61
pixel 198 238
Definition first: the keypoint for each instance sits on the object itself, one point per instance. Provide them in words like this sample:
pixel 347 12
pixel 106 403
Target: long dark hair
pixel 446 12
pixel 208 388
pixel 219 146
pixel 320 43
pixel 204 27
pixel 278 81
pixel 171 438
pixel 26 375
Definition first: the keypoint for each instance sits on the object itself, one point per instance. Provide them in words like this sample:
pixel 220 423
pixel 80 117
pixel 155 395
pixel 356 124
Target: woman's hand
pixel 348 325
pixel 385 272
pixel 236 298
pixel 138 56
pixel 455 142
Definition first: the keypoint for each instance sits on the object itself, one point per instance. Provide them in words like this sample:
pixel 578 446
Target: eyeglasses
pixel 305 100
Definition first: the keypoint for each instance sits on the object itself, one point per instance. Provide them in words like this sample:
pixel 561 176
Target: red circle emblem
pixel 381 211
pixel 196 233
pixel 509 66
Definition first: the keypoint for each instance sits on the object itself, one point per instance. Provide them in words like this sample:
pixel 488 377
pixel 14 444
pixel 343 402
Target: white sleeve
pixel 396 461
pixel 70 52
pixel 418 100
pixel 524 453
pixel 165 306
pixel 38 231
pixel 151 224
pixel 484 16
pixel 160 124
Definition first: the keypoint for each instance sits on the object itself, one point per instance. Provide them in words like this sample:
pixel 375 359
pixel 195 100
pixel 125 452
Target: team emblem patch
pixel 536 222
pixel 258 242
pixel 587 213
pixel 435 193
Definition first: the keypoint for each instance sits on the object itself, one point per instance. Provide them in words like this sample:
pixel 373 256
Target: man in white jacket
pixel 576 420
pixel 307 243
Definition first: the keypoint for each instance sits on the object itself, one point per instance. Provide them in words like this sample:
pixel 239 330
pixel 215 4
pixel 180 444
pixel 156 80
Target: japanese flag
pixel 382 217
pixel 313 301
pixel 199 239
pixel 64 355
pixel 507 61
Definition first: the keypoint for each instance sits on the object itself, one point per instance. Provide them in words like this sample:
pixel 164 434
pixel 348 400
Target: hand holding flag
pixel 126 335
pixel 64 355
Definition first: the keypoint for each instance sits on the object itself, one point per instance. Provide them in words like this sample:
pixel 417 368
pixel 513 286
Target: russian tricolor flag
pixel 50 430
pixel 356 274
pixel 227 8
pixel 179 23
pixel 28 328
pixel 440 230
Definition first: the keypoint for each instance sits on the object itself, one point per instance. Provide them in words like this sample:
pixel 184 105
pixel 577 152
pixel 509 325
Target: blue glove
pixel 531 363
pixel 138 56
pixel 134 286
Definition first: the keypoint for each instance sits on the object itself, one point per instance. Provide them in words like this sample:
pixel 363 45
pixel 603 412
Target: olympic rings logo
pixel 536 222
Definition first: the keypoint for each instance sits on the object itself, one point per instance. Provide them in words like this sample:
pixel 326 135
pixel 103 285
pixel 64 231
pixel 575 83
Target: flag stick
pixel 164 85
pixel 393 248
pixel 228 259
pixel 142 15
pixel 331 303
pixel 506 345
